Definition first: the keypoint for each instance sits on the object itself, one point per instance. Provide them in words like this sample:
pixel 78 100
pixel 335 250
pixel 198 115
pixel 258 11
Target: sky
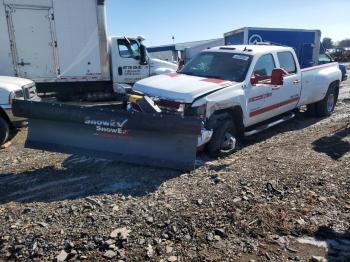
pixel 192 20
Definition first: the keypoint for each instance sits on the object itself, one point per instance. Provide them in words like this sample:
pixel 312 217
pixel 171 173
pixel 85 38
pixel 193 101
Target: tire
pixel 311 110
pixel 4 131
pixel 326 106
pixel 224 139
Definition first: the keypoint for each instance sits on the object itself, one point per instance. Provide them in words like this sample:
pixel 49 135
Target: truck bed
pixel 315 82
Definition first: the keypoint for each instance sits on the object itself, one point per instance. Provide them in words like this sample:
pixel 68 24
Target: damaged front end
pixel 147 104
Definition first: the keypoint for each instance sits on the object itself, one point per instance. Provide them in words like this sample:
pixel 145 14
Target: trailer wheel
pixel 224 139
pixel 4 130
pixel 326 106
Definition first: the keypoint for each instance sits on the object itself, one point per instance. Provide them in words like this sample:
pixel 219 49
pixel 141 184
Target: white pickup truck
pixel 13 88
pixel 241 90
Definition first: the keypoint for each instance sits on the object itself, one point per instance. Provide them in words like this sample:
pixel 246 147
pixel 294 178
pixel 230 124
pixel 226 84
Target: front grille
pixel 19 94
pixel 169 107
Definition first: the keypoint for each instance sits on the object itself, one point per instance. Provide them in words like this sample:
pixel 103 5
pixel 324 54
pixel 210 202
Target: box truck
pixel 62 45
pixel 306 43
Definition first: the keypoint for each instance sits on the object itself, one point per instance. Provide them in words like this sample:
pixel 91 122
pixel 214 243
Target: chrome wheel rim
pixel 330 103
pixel 229 143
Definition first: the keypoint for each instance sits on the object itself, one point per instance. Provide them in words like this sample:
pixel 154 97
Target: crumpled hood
pixel 179 87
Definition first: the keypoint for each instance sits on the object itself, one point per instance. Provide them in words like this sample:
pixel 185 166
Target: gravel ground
pixel 284 196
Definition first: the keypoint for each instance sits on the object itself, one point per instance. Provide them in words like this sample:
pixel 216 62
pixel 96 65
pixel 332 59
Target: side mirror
pixel 143 54
pixel 277 76
pixel 254 79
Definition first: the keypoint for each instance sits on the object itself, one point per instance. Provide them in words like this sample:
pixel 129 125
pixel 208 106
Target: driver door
pixel 259 95
pixel 126 61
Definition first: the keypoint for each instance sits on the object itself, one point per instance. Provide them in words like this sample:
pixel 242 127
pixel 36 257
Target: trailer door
pixel 33 49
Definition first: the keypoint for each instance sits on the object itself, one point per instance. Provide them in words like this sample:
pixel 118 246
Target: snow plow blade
pixel 140 138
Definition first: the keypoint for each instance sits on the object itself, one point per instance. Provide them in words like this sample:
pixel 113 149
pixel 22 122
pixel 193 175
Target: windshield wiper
pixel 217 77
pixel 186 73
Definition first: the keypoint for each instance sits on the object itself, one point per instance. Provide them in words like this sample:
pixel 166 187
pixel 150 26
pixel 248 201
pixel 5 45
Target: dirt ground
pixel 285 196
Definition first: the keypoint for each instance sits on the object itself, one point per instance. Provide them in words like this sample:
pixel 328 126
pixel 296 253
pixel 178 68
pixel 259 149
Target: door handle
pixel 295 82
pixel 276 87
pixel 23 63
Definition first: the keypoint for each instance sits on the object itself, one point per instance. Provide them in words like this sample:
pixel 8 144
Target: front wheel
pixel 224 139
pixel 326 106
pixel 4 131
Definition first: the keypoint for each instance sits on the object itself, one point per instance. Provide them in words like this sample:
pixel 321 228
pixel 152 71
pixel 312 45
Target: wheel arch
pixel 5 116
pixel 337 86
pixel 234 112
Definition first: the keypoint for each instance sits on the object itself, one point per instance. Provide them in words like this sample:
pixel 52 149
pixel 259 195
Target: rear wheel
pixel 326 106
pixel 311 110
pixel 4 131
pixel 224 139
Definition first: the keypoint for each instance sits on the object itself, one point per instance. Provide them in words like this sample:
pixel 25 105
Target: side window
pixel 264 65
pixel 128 49
pixel 324 59
pixel 287 62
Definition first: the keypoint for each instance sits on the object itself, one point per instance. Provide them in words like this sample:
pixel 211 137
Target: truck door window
pixel 287 62
pixel 264 65
pixel 324 59
pixel 129 49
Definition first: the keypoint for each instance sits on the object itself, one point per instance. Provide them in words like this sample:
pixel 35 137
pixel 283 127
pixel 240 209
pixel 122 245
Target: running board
pixel 268 125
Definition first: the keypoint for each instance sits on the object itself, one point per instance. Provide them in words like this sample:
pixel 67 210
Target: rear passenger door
pixel 285 98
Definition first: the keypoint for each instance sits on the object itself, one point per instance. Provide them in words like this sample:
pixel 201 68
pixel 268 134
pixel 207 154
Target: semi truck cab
pixel 131 61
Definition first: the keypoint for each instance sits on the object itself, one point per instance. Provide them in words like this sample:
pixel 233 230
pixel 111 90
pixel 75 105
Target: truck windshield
pixel 129 48
pixel 221 65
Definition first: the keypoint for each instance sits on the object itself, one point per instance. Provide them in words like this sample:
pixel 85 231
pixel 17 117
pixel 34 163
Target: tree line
pixel 328 43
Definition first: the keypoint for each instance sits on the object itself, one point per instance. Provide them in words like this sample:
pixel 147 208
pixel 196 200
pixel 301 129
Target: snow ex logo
pixel 108 126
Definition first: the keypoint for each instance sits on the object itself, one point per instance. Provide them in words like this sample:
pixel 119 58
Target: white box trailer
pixel 54 40
pixel 192 51
pixel 186 50
pixel 164 52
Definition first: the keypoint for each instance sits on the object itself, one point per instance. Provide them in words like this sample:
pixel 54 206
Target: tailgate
pixel 140 138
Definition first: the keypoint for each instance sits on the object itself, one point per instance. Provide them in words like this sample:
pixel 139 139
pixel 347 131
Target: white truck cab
pixel 13 88
pixel 131 61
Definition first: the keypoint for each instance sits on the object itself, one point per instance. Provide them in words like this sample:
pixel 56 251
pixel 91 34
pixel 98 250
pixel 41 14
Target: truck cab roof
pixel 250 49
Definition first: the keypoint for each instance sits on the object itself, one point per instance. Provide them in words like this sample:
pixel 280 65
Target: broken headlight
pixel 199 111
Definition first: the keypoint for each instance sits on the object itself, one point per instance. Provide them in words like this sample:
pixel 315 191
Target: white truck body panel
pixel 58 40
pixel 315 82
pixel 6 65
pixel 31 27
